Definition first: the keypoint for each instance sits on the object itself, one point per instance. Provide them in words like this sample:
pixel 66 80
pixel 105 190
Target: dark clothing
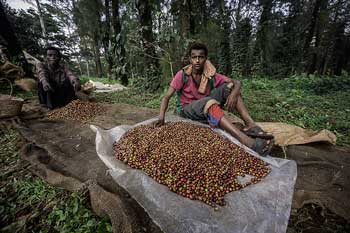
pixel 60 80
pixel 198 109
pixel 62 95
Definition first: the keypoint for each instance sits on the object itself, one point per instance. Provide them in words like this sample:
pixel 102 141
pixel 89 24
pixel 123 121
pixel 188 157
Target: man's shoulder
pixel 41 64
pixel 178 75
pixel 179 72
pixel 218 75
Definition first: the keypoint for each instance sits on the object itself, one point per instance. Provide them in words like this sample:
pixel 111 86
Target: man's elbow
pixel 166 98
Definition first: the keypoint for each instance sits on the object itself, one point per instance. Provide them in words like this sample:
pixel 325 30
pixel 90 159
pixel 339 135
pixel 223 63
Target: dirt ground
pixel 321 197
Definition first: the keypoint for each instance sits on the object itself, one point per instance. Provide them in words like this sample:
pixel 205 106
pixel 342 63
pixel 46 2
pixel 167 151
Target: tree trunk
pixel 98 65
pixel 118 47
pixel 87 68
pixel 225 42
pixel 187 26
pixel 8 34
pixel 264 37
pixel 145 13
pixel 79 63
pixel 42 23
pixel 107 39
pixel 313 39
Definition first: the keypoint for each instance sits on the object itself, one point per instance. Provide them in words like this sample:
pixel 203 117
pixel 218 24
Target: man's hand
pixel 76 85
pixel 231 102
pixel 46 86
pixel 158 123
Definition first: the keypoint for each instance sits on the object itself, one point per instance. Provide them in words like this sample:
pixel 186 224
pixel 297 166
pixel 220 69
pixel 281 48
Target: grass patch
pixel 136 97
pixel 84 79
pixel 28 204
pixel 267 99
pixel 279 101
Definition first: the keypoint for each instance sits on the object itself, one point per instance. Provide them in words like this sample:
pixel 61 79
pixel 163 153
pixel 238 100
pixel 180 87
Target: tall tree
pixel 265 37
pixel 42 22
pixel 151 63
pixel 88 18
pixel 241 49
pixel 290 52
pixel 315 32
pixel 107 43
pixel 8 35
pixel 225 51
pixel 118 44
pixel 183 10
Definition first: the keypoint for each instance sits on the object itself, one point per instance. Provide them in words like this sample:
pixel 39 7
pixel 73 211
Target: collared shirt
pixel 58 76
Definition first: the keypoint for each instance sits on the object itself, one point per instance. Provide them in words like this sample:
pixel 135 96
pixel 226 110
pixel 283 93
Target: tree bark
pixel 187 26
pixel 8 35
pixel 317 52
pixel 145 14
pixel 98 65
pixel 225 43
pixel 42 22
pixel 107 39
pixel 118 47
pixel 264 37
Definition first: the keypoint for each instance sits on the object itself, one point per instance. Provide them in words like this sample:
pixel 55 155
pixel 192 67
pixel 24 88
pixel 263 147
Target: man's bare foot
pixel 255 131
pixel 262 147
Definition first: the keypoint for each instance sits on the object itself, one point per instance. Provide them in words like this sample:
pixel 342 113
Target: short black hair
pixel 198 46
pixel 54 48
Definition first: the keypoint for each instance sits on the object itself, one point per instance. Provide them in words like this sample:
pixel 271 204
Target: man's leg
pixel 243 112
pixel 226 125
pixel 221 94
pixel 64 93
pixel 208 109
pixel 195 110
pixel 45 97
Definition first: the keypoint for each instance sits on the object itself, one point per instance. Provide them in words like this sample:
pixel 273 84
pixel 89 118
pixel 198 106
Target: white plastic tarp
pixel 261 207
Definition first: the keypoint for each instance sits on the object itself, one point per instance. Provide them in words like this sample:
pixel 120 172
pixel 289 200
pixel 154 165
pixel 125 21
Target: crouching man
pixel 57 84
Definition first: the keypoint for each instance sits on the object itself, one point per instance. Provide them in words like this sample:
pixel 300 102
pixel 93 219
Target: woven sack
pixel 9 105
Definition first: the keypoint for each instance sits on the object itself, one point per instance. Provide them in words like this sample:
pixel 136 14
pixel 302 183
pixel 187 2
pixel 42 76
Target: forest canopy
pixel 146 40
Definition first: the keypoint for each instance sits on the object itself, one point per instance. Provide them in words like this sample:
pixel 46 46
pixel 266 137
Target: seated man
pixel 57 84
pixel 202 93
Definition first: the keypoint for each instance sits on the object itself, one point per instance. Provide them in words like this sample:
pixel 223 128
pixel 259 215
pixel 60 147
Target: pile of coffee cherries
pixel 77 111
pixel 191 160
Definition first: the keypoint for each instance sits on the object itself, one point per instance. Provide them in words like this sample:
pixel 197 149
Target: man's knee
pixel 209 104
pixel 215 113
pixel 229 85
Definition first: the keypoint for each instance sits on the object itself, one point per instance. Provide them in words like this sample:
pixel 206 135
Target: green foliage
pixel 5 89
pixel 33 191
pixel 321 85
pixel 285 101
pixel 71 216
pixel 28 204
pixel 136 97
pixel 84 79
pixel 270 100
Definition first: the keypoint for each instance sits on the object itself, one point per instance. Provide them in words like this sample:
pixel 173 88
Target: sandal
pixel 257 132
pixel 263 147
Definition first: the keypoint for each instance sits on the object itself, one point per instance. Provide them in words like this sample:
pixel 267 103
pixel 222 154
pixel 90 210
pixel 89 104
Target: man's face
pixel 198 59
pixel 53 57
